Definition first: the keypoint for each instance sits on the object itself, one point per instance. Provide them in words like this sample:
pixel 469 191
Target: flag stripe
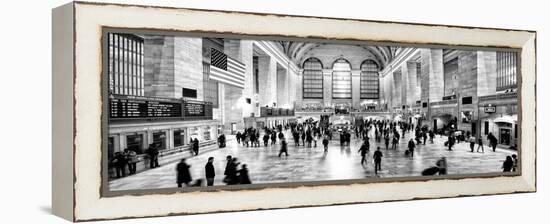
pixel 224 74
pixel 228 81
pixel 236 63
pixel 231 66
pixel 228 74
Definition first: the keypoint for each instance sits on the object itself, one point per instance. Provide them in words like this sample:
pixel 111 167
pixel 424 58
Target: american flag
pixel 225 69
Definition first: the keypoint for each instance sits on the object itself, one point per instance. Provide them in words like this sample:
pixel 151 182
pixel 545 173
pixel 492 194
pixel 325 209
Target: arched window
pixel 369 80
pixel 341 79
pixel 313 79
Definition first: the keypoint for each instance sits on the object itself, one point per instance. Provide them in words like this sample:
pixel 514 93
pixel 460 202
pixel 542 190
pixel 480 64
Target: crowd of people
pixel 308 135
pixel 233 174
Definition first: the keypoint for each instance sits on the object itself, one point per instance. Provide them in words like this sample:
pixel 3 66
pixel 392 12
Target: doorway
pixel 505 136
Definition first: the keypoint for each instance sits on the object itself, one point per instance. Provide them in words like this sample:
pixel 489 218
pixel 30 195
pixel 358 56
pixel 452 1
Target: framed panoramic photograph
pixel 174 107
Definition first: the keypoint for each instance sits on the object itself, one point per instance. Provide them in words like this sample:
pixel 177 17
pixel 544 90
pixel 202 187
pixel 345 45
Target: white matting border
pixel 90 18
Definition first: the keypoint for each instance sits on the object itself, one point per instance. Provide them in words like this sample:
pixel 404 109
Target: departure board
pixel 194 109
pixel 143 108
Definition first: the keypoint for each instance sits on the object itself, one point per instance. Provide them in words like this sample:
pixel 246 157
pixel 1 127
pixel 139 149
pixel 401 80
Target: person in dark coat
pixel 411 147
pixel 184 176
pixel 153 154
pixel 238 137
pixel 227 169
pixel 325 144
pixel 387 141
pixel 284 148
pixel 508 164
pixel 493 141
pixel 232 172
pixel 303 136
pixel 221 141
pixel 196 146
pixel 377 160
pixel 210 172
pixel 515 158
pixel 364 150
pixel 243 175
pixel 120 161
pixel 274 137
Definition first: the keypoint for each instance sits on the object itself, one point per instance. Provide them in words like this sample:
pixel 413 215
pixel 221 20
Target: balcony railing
pixel 513 95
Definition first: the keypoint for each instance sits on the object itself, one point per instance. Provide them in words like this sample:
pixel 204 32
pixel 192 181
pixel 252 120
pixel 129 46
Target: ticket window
pixel 193 134
pixel 134 142
pixel 207 133
pixel 159 140
pixel 179 138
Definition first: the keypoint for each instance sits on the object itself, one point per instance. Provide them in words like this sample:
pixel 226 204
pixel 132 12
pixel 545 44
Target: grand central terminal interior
pixel 171 95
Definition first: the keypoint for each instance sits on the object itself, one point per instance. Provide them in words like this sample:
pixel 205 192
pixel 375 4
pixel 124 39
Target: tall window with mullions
pixel 506 70
pixel 341 79
pixel 125 64
pixel 369 80
pixel 313 79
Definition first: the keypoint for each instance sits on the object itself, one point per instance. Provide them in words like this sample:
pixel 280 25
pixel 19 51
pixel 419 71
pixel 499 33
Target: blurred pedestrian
pixel 184 176
pixel 210 172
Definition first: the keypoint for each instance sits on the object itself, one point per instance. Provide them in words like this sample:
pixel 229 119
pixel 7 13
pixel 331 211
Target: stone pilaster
pixel 327 87
pixel 432 74
pixel 356 88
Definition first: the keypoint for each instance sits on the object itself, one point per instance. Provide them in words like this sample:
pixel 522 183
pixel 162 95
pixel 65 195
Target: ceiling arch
pixel 297 50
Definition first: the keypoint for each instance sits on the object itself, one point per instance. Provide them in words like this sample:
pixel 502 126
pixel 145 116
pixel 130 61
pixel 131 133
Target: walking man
pixel 387 141
pixel 411 147
pixel 325 144
pixel 377 160
pixel 472 141
pixel 364 150
pixel 210 172
pixel 284 148
pixel 493 141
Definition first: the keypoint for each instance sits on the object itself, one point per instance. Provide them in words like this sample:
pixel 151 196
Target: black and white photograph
pixel 198 110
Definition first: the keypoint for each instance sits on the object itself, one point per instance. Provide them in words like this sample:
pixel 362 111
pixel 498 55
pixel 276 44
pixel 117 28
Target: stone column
pixel 356 88
pixel 486 73
pixel 170 138
pixel 413 93
pixel 327 87
pixel 397 88
pixel 267 67
pixel 296 83
pixel 405 91
pixel 235 106
pixel 158 66
pixel 188 66
pixel 432 74
pixel 282 86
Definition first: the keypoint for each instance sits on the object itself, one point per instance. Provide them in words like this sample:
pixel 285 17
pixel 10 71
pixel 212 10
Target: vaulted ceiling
pixel 297 50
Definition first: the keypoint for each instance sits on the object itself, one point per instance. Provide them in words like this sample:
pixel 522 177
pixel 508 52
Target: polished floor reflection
pixel 311 164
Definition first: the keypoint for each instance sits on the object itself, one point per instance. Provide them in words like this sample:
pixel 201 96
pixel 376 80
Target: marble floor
pixel 311 164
